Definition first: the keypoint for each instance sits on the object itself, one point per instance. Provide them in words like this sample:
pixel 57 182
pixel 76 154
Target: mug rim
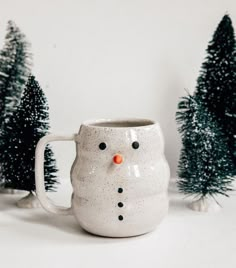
pixel 116 123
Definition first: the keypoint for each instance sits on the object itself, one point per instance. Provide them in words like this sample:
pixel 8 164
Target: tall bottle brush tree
pixel 15 65
pixel 20 135
pixel 216 85
pixel 205 166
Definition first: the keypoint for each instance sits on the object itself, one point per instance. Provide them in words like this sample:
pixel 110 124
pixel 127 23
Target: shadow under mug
pixel 119 177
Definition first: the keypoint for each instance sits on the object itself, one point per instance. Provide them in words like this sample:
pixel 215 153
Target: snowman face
pixel 118 158
pixel 115 147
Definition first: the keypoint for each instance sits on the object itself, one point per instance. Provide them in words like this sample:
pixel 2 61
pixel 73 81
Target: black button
pixel 120 190
pixel 120 204
pixel 120 218
pixel 102 146
pixel 135 145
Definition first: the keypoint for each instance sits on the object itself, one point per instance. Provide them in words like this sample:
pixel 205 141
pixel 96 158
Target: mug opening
pixel 126 123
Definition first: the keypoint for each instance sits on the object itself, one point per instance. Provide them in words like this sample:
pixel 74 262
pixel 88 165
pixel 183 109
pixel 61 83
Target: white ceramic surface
pixel 118 190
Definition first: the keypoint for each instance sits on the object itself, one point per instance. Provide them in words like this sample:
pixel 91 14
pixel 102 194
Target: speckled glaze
pixel 119 200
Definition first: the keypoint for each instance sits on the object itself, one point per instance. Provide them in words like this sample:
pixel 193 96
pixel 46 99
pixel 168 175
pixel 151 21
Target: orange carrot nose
pixel 117 159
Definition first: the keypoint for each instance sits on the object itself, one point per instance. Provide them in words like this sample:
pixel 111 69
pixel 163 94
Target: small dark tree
pixel 217 82
pixel 15 63
pixel 205 165
pixel 20 135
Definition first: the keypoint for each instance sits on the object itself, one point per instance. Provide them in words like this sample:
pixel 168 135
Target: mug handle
pixel 39 173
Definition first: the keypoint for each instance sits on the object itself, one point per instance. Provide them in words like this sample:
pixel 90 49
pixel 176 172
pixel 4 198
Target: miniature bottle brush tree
pixel 205 166
pixel 207 121
pixel 19 138
pixel 216 85
pixel 15 65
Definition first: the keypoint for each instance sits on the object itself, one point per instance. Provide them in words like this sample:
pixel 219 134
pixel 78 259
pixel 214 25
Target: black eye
pixel 135 145
pixel 102 146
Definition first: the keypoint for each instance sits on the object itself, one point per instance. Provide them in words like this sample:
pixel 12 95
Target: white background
pixel 116 58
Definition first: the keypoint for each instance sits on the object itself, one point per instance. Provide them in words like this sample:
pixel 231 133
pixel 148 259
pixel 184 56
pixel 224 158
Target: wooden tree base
pixel 204 204
pixel 29 201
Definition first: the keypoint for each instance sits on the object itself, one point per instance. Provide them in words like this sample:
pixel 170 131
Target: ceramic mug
pixel 119 177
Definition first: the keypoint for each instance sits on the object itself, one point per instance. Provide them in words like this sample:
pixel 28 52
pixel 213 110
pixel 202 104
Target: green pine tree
pixel 205 165
pixel 15 63
pixel 20 135
pixel 216 86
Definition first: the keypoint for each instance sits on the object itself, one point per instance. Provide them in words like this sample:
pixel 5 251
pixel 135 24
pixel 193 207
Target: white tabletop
pixel 33 238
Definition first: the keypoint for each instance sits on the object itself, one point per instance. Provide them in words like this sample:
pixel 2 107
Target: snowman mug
pixel 119 177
